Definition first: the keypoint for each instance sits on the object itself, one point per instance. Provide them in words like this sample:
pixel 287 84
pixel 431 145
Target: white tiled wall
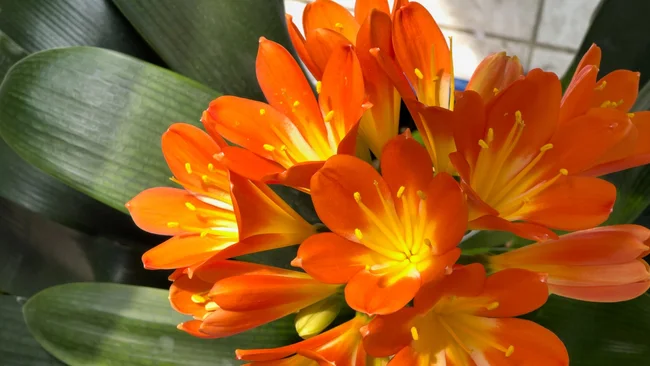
pixel 542 33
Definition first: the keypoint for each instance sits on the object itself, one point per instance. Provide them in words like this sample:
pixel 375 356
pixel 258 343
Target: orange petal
pixel 253 292
pixel 621 87
pixel 165 211
pixel 298 42
pixel 284 84
pixel 494 73
pixel 435 267
pixel 260 243
pixel 464 281
pixel 406 163
pixel 385 335
pixel 180 295
pixel 615 293
pixel 420 44
pixel 517 291
pixel 297 176
pixel 342 92
pixel 597 275
pixel 362 8
pixel 321 44
pixel 184 251
pixel 333 188
pixel 578 95
pixel 350 146
pixel 332 259
pixel 217 269
pixel 184 144
pixel 330 15
pixel 533 345
pixel 223 323
pixel 446 212
pixel 591 57
pixel 364 294
pixel 572 203
pixel 193 327
pixel 246 163
pixel 408 356
pixel 469 126
pixel 437 127
pixel 522 229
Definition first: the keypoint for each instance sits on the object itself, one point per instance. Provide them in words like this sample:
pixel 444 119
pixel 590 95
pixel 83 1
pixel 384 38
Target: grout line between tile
pixel 538 21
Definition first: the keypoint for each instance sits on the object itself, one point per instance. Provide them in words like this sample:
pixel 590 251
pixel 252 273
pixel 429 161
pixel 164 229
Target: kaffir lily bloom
pixel 517 163
pixel 218 213
pixel 618 91
pixel 601 265
pixel 339 346
pixel 391 234
pixel 468 319
pixel 230 297
pixel 493 74
pixel 329 26
pixel 287 140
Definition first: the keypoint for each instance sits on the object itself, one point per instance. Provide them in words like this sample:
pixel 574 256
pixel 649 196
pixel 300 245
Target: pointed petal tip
pixel 263 39
pixel 297 262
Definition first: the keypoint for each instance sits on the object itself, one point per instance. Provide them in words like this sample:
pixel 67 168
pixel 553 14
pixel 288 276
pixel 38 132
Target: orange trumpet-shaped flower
pixel 618 91
pixel 495 73
pixel 517 164
pixel 230 297
pixel 601 265
pixel 391 234
pixel 468 319
pixel 287 140
pixel 339 346
pixel 217 212
pixel 329 26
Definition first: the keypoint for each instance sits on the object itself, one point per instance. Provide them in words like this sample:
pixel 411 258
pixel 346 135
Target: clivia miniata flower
pixel 392 233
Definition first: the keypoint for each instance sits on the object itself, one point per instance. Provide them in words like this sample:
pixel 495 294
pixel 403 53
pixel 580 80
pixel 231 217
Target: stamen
pixel 422 195
pixel 339 27
pixel 495 91
pixel 414 334
pixel 262 111
pixel 358 233
pixel 204 233
pixel 329 116
pixel 188 168
pixel 518 119
pixel 511 348
pixel 296 104
pixel 490 135
pixel 319 86
pixel 190 206
pixel 172 224
pixel 211 306
pixel 205 179
pixel 418 73
pixel 564 171
pixel 357 196
pixel 492 306
pixel 198 299
pixel 606 104
pixel 211 167
pixel 482 144
pixel 268 147
pixel 546 147
pixel 630 115
pixel 400 191
pixel 601 86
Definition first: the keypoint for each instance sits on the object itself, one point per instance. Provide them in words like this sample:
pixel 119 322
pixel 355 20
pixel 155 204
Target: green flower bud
pixel 313 319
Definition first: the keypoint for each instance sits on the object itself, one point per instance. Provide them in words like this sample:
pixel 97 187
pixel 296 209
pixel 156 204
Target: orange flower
pixel 495 73
pixel 329 26
pixel 601 265
pixel 391 234
pixel 230 297
pixel 467 319
pixel 217 212
pixel 618 91
pixel 288 139
pixel 339 346
pixel 518 164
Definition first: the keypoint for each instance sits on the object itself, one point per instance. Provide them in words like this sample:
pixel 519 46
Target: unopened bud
pixel 313 319
pixel 494 74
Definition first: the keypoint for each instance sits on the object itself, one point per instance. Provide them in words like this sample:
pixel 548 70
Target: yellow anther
pixel 510 351
pixel 296 103
pixel 198 299
pixel 190 206
pixel 262 111
pixel 606 104
pixel 338 26
pixel 490 134
pixel 268 147
pixel 172 224
pixel 204 233
pixel 422 195
pixel 211 306
pixel 546 147
pixel 564 171
pixel 495 91
pixel 482 144
pixel 367 267
pixel 205 178
pixel 492 306
pixel 414 333
pixel 188 168
pixel 601 86
pixel 319 87
pixel 283 148
pixel 329 116
pixel 518 118
pixel 400 191
pixel 419 73
pixel 210 167
pixel 357 196
pixel 630 115
pixel 358 233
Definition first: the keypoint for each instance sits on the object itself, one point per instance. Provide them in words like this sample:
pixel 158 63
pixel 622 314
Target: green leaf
pixel 36 253
pixel 597 334
pixel 214 42
pixel 93 118
pixel 108 324
pixel 37 25
pixel 17 346
pixel 10 53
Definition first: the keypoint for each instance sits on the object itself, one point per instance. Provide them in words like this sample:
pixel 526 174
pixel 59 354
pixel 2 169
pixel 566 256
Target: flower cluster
pixel 511 153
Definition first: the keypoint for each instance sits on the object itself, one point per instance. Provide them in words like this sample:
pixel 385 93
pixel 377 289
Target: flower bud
pixel 313 319
pixel 495 73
